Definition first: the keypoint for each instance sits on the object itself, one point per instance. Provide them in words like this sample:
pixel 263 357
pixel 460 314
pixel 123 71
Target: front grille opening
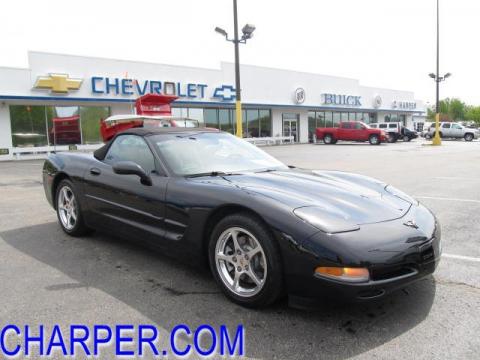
pixel 390 273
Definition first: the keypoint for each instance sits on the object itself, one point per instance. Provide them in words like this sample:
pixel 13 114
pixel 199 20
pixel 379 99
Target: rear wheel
pixel 328 139
pixel 468 137
pixel 406 138
pixel 374 140
pixel 245 261
pixel 68 209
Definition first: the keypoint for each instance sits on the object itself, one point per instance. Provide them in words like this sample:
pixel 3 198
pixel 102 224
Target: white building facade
pixel 79 90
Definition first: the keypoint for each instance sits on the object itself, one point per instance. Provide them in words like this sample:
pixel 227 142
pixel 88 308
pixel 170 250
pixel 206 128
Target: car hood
pixel 354 198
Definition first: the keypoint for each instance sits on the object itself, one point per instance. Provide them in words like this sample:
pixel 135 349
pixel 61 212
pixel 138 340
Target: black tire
pixel 334 141
pixel 273 284
pixel 468 137
pixel 328 139
pixel 440 133
pixel 374 140
pixel 79 228
pixel 391 138
pixel 406 138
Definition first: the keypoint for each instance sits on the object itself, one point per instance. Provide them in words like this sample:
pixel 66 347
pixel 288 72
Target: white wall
pixel 5 131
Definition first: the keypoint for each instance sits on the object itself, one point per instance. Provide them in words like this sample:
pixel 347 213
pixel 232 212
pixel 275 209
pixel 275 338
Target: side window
pixel 131 148
pixel 456 126
pixel 446 125
pixel 346 125
pixel 392 126
pixel 358 126
pixel 383 126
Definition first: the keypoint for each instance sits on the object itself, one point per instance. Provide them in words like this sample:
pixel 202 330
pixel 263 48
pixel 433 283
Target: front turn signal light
pixel 343 273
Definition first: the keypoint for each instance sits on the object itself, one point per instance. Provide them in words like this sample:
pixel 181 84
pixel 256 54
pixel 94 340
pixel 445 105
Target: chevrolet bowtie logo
pixel 58 83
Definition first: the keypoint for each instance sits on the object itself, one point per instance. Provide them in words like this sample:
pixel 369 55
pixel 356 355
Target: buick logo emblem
pixel 299 95
pixel 411 223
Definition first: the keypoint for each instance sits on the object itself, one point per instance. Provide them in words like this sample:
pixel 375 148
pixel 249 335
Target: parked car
pixel 426 128
pixel 407 134
pixel 454 130
pixel 264 228
pixel 351 131
pixel 395 131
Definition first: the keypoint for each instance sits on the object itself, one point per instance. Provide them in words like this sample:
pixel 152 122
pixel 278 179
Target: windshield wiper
pixel 265 171
pixel 211 173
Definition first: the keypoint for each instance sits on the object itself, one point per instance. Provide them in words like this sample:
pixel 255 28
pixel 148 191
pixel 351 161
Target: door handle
pixel 95 171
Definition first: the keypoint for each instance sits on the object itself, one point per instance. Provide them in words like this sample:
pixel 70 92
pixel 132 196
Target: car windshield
pixel 204 153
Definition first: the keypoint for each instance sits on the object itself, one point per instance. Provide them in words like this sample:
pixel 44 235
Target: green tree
pixel 473 114
pixel 450 109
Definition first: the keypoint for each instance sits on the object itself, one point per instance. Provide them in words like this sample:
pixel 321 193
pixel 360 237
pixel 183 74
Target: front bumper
pixel 395 254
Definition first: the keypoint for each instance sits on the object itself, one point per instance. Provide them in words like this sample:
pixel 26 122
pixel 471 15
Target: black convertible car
pixel 265 229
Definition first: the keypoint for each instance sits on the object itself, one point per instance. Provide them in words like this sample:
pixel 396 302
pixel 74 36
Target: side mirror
pixel 131 168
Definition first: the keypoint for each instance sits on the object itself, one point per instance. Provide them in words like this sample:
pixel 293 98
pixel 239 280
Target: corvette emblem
pixel 411 223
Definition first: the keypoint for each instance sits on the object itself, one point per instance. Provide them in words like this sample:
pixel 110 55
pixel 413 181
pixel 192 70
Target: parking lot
pixel 49 278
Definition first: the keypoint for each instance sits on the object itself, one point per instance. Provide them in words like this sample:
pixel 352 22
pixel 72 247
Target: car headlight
pixel 343 273
pixel 325 220
pixel 400 194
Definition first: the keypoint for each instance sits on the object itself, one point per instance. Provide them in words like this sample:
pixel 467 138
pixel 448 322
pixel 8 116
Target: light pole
pixel 437 78
pixel 247 33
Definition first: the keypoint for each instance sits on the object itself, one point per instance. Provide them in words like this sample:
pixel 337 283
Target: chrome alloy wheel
pixel 67 208
pixel 240 261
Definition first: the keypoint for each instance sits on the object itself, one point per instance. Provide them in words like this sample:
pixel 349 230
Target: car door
pixel 344 132
pixel 456 131
pixel 360 132
pixel 446 130
pixel 120 203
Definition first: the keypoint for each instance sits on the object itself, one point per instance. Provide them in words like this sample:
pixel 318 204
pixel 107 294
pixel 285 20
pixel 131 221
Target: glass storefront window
pixel 336 119
pixel 253 123
pixel 352 116
pixel 328 119
pixel 64 125
pixel 211 118
pixel 312 124
pixel 28 125
pixel 265 123
pixel 224 117
pixel 56 125
pixel 320 115
pixel 196 113
pixel 90 120
pixel 343 116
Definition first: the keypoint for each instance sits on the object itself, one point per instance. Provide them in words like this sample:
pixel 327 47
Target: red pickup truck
pixel 351 131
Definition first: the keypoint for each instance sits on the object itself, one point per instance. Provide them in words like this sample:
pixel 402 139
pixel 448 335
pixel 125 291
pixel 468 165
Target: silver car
pixel 454 130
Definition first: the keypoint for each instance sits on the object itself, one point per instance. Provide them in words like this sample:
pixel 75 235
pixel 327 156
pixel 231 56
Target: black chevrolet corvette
pixel 265 229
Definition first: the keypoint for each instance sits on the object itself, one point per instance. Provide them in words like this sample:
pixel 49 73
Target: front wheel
pixel 328 139
pixel 245 261
pixel 68 209
pixel 406 138
pixel 374 140
pixel 468 137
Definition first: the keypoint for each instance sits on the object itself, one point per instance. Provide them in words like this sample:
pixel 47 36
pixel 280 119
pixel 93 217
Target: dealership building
pixel 276 103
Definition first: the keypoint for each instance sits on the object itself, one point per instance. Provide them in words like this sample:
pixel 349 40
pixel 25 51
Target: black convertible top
pixel 100 153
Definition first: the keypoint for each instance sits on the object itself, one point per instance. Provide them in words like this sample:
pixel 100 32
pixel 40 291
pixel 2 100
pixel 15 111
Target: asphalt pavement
pixel 50 278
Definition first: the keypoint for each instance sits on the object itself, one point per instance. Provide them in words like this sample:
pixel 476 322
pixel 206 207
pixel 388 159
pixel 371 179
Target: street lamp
pixel 438 79
pixel 247 33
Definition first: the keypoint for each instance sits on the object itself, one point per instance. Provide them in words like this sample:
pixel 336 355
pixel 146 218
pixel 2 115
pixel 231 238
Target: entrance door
pixel 290 125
